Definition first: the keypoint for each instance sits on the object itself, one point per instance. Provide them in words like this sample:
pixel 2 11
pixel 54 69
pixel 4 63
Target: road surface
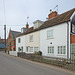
pixel 10 65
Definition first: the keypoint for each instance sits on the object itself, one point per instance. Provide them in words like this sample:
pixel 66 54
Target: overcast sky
pixel 17 12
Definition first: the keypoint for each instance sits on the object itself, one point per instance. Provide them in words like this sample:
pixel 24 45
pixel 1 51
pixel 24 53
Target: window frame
pixel 21 48
pixel 19 40
pixel 37 49
pixel 30 49
pixel 49 34
pixel 35 25
pixel 18 49
pixel 31 38
pixel 50 50
pixel 27 49
pixel 61 50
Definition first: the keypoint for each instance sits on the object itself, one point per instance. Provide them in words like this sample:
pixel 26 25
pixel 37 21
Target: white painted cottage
pixel 56 33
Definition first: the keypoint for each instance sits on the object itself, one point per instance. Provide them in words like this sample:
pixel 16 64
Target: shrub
pixel 38 53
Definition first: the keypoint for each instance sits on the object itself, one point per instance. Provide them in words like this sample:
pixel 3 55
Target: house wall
pixel 73 39
pixel 12 41
pixel 59 39
pixel 22 43
pixel 35 42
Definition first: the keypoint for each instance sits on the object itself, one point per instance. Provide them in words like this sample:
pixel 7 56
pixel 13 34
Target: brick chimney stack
pixel 52 14
pixel 27 26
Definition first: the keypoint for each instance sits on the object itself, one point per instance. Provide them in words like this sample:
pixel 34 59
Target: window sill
pixel 50 53
pixel 30 41
pixel 49 38
pixel 61 54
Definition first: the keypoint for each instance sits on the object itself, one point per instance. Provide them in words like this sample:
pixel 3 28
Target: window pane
pixel 61 50
pixel 22 48
pixel 31 38
pixel 73 28
pixel 19 49
pixel 64 50
pixel 51 49
pixel 48 49
pixel 58 49
pixel 35 25
pixel 31 49
pixel 36 49
pixel 18 40
pixel 26 49
pixel 50 34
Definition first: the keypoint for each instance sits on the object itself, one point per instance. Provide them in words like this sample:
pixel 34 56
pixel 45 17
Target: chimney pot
pixel 50 11
pixel 27 26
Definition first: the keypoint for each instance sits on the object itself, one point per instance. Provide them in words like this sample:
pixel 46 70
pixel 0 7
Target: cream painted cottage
pixel 30 40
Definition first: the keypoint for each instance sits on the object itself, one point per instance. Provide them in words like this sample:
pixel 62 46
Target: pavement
pixel 10 65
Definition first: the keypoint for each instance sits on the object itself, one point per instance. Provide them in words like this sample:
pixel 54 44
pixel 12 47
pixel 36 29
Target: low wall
pixel 14 53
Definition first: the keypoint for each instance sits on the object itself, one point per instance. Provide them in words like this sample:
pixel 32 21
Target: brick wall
pixel 52 15
pixel 10 42
pixel 72 39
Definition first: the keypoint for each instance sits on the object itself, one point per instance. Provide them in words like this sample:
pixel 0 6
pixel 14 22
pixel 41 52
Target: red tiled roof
pixel 65 17
pixel 58 19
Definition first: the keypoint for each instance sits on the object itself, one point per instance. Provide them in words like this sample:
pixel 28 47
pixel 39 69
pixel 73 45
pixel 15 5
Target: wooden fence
pixel 67 64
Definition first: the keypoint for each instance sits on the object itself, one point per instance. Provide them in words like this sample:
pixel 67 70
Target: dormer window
pixel 35 25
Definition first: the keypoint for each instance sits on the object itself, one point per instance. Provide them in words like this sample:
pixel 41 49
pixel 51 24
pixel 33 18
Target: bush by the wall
pixel 38 53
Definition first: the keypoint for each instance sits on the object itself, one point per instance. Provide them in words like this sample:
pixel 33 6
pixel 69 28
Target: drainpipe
pixel 70 40
pixel 67 41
